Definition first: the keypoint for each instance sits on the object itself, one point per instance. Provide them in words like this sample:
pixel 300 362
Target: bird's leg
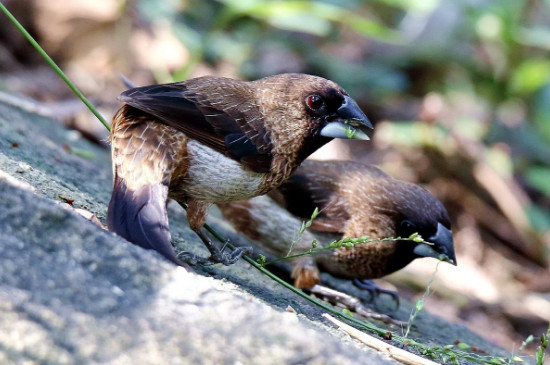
pixel 225 245
pixel 196 216
pixel 217 256
pixel 353 304
pixel 375 291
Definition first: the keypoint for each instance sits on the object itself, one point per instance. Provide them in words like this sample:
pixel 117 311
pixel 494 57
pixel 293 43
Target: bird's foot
pixel 375 292
pixel 217 256
pixel 191 258
pixel 229 258
pixel 353 304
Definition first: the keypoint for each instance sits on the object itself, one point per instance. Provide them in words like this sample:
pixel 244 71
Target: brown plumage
pixel 354 200
pixel 210 140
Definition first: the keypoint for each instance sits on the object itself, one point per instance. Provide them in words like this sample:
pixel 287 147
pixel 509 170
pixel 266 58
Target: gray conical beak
pixel 442 248
pixel 350 122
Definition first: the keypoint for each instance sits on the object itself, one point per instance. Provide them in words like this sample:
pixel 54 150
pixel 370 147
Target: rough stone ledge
pixel 71 292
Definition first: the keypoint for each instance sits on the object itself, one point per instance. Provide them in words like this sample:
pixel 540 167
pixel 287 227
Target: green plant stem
pixel 346 242
pixel 420 303
pixel 53 65
pixel 293 288
pixel 425 349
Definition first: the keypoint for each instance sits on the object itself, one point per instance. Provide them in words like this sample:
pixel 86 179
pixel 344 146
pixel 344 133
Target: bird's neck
pixel 311 144
pixel 404 255
pixel 282 166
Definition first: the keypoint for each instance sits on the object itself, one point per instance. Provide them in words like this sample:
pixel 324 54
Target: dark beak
pixel 442 247
pixel 350 122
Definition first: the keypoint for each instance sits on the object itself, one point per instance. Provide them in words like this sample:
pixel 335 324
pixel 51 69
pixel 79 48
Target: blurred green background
pixel 459 92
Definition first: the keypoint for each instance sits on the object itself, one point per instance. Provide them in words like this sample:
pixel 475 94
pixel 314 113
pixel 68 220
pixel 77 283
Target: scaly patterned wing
pixel 218 112
pixel 325 185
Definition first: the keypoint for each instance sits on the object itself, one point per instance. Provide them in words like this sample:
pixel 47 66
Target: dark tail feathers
pixel 140 216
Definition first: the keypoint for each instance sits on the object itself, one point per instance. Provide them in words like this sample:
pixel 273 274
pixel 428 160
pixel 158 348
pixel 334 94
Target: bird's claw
pixel 216 257
pixel 232 257
pixel 189 258
pixel 375 292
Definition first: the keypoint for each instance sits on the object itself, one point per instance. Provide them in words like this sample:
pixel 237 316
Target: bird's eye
pixel 314 102
pixel 407 227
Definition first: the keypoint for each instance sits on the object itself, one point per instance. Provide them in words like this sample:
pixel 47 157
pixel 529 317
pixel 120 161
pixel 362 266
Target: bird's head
pixel 317 108
pixel 412 209
pixel 338 114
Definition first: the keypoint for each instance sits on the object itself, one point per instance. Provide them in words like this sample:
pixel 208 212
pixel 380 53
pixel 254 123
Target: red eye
pixel 314 102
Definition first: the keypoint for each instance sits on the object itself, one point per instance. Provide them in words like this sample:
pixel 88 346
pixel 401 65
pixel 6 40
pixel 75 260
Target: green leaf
pixel 347 312
pixel 540 356
pixel 419 304
pixel 530 76
pixel 304 23
pixel 539 177
pixel 310 17
pixel 416 237
pixel 350 132
pixel 413 134
pixel 261 259
pixel 315 213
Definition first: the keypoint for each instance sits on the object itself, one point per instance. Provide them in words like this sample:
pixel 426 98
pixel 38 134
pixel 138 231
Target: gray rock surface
pixel 72 293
